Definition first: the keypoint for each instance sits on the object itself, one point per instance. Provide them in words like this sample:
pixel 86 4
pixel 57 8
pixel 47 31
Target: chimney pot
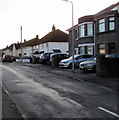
pixel 24 40
pixel 53 28
pixel 37 36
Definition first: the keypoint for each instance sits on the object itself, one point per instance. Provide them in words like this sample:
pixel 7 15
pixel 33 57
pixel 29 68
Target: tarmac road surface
pixel 41 94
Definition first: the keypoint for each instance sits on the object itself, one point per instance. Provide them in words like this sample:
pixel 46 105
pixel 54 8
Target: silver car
pixel 67 63
pixel 88 65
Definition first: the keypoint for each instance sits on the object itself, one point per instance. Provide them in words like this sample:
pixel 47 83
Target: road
pixel 38 93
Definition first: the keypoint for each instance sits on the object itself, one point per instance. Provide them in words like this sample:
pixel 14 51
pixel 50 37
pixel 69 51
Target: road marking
pixel 112 113
pixel 6 91
pixel 24 117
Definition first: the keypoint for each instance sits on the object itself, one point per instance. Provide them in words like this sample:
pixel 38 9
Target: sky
pixel 38 16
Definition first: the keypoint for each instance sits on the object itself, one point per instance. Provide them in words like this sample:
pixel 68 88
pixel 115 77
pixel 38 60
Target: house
pixel 7 50
pixel 75 29
pixel 107 30
pixel 30 46
pixel 97 34
pixel 12 49
pixel 54 41
pixel 83 35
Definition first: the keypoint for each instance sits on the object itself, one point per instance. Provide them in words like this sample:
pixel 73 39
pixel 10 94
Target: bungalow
pixel 28 46
pixel 12 49
pixel 54 41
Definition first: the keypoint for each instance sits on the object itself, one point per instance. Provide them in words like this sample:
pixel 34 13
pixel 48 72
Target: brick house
pixel 97 34
pixel 107 30
pixel 83 36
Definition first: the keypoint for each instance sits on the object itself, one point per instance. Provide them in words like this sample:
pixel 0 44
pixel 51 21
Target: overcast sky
pixel 38 16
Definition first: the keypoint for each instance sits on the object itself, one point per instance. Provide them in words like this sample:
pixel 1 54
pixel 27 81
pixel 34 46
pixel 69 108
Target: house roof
pixel 31 42
pixel 54 36
pixel 6 48
pixel 17 46
pixel 107 10
pixel 74 27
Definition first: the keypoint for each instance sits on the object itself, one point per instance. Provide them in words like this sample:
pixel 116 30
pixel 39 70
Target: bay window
pixel 89 29
pixel 81 31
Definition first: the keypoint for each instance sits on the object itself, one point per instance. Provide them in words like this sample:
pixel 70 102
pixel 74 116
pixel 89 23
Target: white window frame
pixel 81 30
pixel 101 24
pixel 111 21
pixel 90 29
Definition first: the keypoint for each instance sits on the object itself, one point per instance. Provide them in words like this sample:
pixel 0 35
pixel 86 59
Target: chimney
pixel 37 36
pixel 24 40
pixel 53 28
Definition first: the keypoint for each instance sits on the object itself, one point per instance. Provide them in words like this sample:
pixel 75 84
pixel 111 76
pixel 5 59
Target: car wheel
pixel 70 65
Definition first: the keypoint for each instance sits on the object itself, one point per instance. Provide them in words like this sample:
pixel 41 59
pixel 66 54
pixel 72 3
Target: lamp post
pixel 72 34
pixel 21 43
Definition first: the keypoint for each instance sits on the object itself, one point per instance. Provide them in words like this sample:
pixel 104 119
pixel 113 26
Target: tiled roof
pixel 17 46
pixel 54 36
pixel 5 48
pixel 31 42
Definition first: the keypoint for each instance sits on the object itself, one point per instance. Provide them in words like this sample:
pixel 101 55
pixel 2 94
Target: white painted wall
pixel 63 46
pixel 28 50
pixel 14 52
pixel 7 52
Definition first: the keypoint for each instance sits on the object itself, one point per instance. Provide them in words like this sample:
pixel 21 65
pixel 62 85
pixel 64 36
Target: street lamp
pixel 72 34
pixel 21 43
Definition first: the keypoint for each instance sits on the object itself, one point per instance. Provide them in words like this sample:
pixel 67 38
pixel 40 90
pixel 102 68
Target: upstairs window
pixel 111 23
pixel 81 31
pixel 89 29
pixel 102 25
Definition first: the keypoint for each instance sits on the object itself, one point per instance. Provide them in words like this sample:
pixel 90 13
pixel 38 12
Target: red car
pixel 7 58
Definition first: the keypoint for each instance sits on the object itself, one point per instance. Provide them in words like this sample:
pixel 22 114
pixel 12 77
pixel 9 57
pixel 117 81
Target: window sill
pixel 85 37
pixel 106 31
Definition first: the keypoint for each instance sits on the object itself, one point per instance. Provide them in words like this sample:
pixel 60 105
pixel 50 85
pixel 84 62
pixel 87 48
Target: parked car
pixel 58 57
pixel 14 58
pixel 112 56
pixel 45 58
pixel 89 64
pixel 67 63
pixel 7 58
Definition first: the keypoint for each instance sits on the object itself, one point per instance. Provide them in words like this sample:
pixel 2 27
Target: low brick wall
pixel 107 67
